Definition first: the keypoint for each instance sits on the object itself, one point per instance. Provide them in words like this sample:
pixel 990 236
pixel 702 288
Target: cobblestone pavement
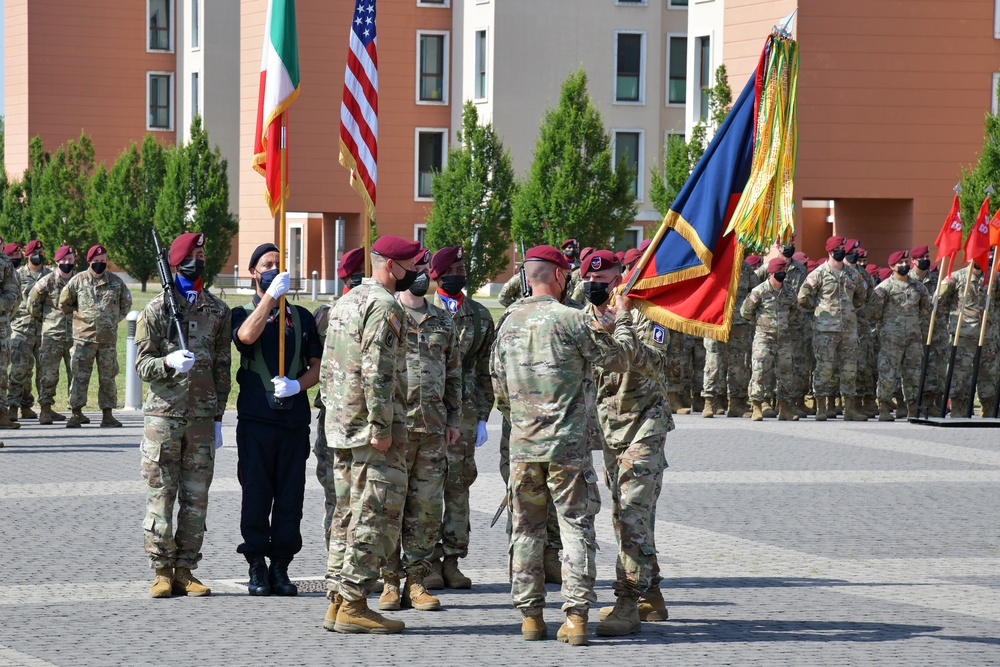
pixel 781 543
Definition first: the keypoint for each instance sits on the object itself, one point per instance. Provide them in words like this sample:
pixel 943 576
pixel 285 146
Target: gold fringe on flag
pixel 766 210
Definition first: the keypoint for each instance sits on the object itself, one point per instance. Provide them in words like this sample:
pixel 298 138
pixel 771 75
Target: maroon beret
pixel 920 251
pixel 569 242
pixel 424 256
pixel 632 256
pixel 884 274
pixel 11 248
pixel 800 257
pixel 443 259
pixel 547 253
pixel 777 264
pixel 32 247
pixel 898 256
pixel 585 252
pixel 598 261
pixel 851 244
pixel 96 250
pixel 183 245
pixel 620 255
pixel 753 260
pixel 834 242
pixel 396 247
pixel 873 270
pixel 351 262
pixel 862 252
pixel 645 244
pixel 62 252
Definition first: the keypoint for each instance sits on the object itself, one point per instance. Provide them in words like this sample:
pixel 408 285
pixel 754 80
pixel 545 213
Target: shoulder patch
pixel 659 334
pixel 754 297
pixel 811 280
pixel 394 321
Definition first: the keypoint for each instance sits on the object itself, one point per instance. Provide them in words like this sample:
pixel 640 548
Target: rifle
pixel 169 290
pixel 525 287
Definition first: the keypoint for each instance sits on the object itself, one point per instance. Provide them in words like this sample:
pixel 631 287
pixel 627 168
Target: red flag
pixel 995 230
pixel 977 246
pixel 949 240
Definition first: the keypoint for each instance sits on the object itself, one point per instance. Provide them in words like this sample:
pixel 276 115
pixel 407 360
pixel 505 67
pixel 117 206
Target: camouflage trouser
pixel 552 540
pixel 986 381
pixel 801 363
pixel 462 473
pixel 634 476
pixel 868 357
pixel 899 357
pixel 52 354
pixel 694 364
pixel 4 360
pixel 324 473
pixel 107 370
pixel 836 354
pixel 772 365
pixel 178 461
pixel 675 354
pixel 937 359
pixel 426 466
pixel 573 489
pixel 340 477
pixel 23 360
pixel 727 370
pixel 378 490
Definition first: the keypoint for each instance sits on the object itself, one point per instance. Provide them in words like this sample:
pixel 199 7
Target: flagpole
pixel 282 186
pixel 954 344
pixel 982 336
pixel 930 337
pixel 366 234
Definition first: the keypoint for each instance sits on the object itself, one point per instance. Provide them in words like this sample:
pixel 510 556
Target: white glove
pixel 279 285
pixel 218 434
pixel 283 387
pixel 481 435
pixel 180 360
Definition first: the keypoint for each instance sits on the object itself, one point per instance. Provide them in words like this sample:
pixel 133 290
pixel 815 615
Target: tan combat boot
pixel 768 410
pixel 834 407
pixel 433 581
pixel 808 407
pixel 453 577
pixel 675 400
pixel 354 617
pixel 12 413
pixel 533 628
pixel 28 413
pixel 186 583
pixel 416 596
pixel 652 607
pixel 786 413
pixel 708 411
pixel 77 419
pixel 390 600
pixel 162 583
pixel 851 412
pixel 911 410
pixel 574 630
pixel 869 406
pixel 108 419
pixel 885 412
pixel 330 621
pixel 758 414
pixel 623 619
pixel 821 408
pixel 684 407
pixel 7 422
pixel 697 403
pixel 959 409
pixel 45 417
pixel 552 566
pixel 798 408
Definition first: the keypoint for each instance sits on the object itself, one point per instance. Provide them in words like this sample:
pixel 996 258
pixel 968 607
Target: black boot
pixel 278 576
pixel 258 576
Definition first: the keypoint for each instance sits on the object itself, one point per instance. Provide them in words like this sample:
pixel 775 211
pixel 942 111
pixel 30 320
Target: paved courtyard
pixel 781 543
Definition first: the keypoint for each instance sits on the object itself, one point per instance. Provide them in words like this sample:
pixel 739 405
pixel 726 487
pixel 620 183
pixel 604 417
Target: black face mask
pixel 851 257
pixel 923 264
pixel 420 285
pixel 354 280
pixel 403 284
pixel 788 251
pixel 903 270
pixel 596 293
pixel 838 255
pixel 265 279
pixel 570 254
pixel 779 276
pixel 192 268
pixel 16 262
pixel 453 285
pixel 37 259
pixel 66 268
pixel 98 267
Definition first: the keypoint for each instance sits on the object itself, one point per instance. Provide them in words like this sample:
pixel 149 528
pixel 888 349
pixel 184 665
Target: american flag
pixel 359 109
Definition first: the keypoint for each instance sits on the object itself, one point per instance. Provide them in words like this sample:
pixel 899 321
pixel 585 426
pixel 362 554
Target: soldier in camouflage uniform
pixel 9 296
pixel 771 307
pixel 182 417
pixel 727 370
pixel 899 305
pixel 685 372
pixel 834 293
pixel 867 354
pixel 433 416
pixel 26 335
pixel 635 419
pixel 364 370
pixel 543 354
pixel 474 327
pixel 56 332
pixel 99 300
pixel 937 361
pixel 972 308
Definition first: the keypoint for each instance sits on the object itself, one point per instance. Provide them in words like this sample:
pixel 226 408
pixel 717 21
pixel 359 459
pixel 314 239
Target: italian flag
pixel 279 86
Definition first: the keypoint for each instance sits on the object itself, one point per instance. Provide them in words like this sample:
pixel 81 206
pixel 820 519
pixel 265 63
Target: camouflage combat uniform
pixel 180 410
pixel 364 371
pixel 326 472
pixel 899 307
pixel 56 334
pixel 772 312
pixel 727 369
pixel 543 354
pixel 9 296
pixel 937 360
pixel 511 291
pixel 24 342
pixel 474 328
pixel 968 339
pixel 867 344
pixel 98 304
pixel 799 336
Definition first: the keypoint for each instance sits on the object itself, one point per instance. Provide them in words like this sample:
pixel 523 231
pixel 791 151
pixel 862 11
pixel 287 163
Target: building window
pixel 160 114
pixel 420 234
pixel 432 3
pixel 704 74
pixel 630 2
pixel 480 64
pixel 195 25
pixel 630 239
pixel 677 62
pixel 159 25
pixel 628 151
pixel 430 159
pixel 628 67
pixel 432 62
pixel 194 94
pixel 677 4
pixel 996 82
